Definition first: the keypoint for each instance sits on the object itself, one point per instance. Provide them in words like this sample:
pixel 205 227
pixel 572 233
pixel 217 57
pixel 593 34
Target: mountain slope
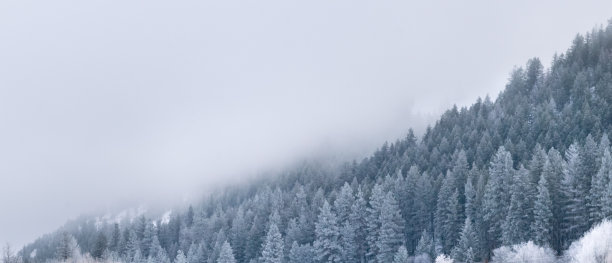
pixel 486 166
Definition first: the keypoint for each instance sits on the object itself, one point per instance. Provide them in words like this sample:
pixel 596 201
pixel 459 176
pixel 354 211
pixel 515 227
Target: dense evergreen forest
pixel 533 165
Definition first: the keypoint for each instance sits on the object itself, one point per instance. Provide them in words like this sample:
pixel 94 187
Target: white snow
pixel 524 253
pixel 443 259
pixel 594 246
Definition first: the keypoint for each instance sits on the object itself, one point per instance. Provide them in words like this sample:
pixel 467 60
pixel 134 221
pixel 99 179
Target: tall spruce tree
pixel 358 221
pixel 590 160
pixel 536 169
pixel 147 238
pixel 67 247
pixel 327 242
pixel 542 225
pixel 599 184
pixel 447 216
pixel 391 229
pixel 516 224
pixel 115 239
pixel 425 245
pixel 408 190
pixel 467 241
pixel 342 206
pixel 227 254
pixel 496 198
pixel 132 247
pixel 460 172
pixel 301 253
pixel 238 234
pixel 100 246
pixel 401 256
pixel 471 206
pixel 376 200
pixel 575 219
pixel 470 256
pixel 272 251
pixel 553 171
pixel 425 199
pixel 607 200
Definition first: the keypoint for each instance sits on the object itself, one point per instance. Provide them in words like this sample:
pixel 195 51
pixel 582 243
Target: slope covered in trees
pixel 534 165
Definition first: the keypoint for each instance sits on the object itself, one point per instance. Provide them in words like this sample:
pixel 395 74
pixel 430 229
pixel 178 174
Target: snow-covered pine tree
pixel 467 241
pixel 220 239
pixel 115 239
pixel 327 242
pixel 391 229
pixel 460 172
pixel 357 219
pixel 516 224
pixel 376 200
pixel 408 202
pixel 273 247
pixel 590 160
pixel 496 198
pixel 471 208
pixel 139 258
pixel 274 219
pixel 599 184
pixel 67 247
pixel 401 256
pixel 292 234
pixel 470 256
pixel 147 238
pixel 180 257
pixel 446 221
pixel 161 257
pixel 553 171
pixel 100 246
pixel 425 200
pixel 425 245
pixel 536 165
pixel 132 247
pixel 480 179
pixel 536 169
pixel 155 248
pixel 343 202
pixel 238 233
pixel 227 254
pixel 607 199
pixel 192 253
pixel 140 226
pixel 301 253
pixel 542 225
pixel 575 217
pixel 342 206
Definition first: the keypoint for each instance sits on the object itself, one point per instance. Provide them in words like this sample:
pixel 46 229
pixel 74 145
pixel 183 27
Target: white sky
pixel 106 101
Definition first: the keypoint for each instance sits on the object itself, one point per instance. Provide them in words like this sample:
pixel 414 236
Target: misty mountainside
pixel 530 172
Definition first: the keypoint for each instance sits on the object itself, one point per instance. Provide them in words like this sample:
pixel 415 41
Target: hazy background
pixel 106 102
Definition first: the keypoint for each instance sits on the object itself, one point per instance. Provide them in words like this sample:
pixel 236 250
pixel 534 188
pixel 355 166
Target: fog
pixel 108 103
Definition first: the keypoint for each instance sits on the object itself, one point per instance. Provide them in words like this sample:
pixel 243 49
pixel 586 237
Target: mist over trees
pixel 523 177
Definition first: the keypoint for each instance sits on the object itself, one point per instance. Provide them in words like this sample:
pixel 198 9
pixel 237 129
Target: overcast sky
pixel 107 102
